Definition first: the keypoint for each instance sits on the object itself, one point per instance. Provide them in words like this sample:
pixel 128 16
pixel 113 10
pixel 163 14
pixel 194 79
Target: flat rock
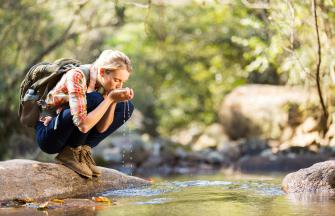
pixel 318 179
pixel 21 179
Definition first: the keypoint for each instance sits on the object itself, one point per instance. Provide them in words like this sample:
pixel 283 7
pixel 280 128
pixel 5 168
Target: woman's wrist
pixel 107 98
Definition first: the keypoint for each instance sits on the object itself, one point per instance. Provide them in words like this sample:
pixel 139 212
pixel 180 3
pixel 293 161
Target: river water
pixel 209 195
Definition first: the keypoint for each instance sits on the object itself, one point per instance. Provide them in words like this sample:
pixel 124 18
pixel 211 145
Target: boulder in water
pixel 318 179
pixel 21 179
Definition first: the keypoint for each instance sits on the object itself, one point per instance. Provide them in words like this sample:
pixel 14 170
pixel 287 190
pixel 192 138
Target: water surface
pixel 217 195
pixel 209 195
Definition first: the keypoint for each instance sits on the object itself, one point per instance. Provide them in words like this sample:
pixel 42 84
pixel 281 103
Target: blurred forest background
pixel 188 57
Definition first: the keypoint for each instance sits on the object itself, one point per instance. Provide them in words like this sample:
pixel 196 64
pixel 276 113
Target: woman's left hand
pixel 121 94
pixel 131 94
pixel 46 120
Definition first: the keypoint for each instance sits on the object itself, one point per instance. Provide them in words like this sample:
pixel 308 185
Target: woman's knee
pixel 93 100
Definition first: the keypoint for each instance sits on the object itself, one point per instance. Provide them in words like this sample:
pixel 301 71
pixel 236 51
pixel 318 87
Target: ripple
pixel 263 188
pixel 200 183
pixel 154 201
pixel 145 192
pixel 271 191
pixel 175 186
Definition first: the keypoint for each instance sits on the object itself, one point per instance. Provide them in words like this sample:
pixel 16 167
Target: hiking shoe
pixel 87 155
pixel 73 159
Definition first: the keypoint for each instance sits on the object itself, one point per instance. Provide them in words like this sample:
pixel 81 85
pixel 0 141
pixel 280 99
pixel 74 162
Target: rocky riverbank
pixel 261 128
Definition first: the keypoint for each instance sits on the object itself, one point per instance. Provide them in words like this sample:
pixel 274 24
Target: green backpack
pixel 40 79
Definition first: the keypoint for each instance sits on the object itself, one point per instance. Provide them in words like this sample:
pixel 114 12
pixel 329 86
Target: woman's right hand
pixel 121 94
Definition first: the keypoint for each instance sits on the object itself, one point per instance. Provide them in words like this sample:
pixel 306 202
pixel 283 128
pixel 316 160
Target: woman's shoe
pixel 87 154
pixel 74 159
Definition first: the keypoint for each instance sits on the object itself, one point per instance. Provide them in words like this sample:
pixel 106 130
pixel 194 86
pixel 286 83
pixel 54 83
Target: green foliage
pixel 186 56
pixel 25 29
pixel 189 58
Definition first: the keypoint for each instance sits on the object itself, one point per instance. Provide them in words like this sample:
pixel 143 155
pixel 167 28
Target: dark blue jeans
pixel 52 140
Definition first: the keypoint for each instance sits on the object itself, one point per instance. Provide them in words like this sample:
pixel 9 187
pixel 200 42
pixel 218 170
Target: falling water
pixel 124 134
pixel 129 141
pixel 126 111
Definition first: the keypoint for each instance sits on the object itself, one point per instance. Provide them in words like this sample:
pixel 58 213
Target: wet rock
pixel 181 153
pixel 32 179
pixel 194 157
pixel 214 157
pixel 319 178
pixel 267 153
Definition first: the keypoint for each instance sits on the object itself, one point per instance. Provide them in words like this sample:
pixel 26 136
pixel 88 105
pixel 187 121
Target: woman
pixel 84 116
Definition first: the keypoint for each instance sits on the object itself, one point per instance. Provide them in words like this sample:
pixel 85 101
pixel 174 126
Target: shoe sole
pixel 70 167
pixel 96 175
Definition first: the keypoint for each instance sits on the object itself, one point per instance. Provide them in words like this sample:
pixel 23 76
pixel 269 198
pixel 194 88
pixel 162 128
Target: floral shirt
pixel 72 89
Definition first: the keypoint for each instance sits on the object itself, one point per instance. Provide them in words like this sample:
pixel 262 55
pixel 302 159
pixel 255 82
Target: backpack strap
pixel 86 70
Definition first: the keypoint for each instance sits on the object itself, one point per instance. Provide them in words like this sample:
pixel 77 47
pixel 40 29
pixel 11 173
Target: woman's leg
pixel 50 140
pixel 121 115
pixel 53 141
pixel 78 138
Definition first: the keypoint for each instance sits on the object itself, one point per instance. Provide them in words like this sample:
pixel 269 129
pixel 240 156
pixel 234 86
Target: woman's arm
pixel 76 86
pixel 107 118
pixel 95 116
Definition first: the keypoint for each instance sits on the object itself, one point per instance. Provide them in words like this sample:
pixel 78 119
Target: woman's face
pixel 114 79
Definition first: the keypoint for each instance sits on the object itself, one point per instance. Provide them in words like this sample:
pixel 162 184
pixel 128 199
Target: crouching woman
pixel 87 112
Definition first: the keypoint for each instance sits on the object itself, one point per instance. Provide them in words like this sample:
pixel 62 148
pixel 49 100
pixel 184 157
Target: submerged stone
pixel 21 179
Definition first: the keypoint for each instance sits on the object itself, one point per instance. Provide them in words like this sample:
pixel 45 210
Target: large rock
pixel 319 178
pixel 263 110
pixel 31 179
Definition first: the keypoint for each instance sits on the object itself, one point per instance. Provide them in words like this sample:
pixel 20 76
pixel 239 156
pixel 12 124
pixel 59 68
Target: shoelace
pixel 88 156
pixel 79 156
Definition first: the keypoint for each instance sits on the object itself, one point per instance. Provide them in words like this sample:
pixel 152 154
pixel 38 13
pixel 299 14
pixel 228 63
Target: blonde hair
pixel 113 60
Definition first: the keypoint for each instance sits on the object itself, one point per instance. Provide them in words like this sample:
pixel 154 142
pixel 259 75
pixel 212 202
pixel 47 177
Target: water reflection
pixel 307 199
pixel 210 196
